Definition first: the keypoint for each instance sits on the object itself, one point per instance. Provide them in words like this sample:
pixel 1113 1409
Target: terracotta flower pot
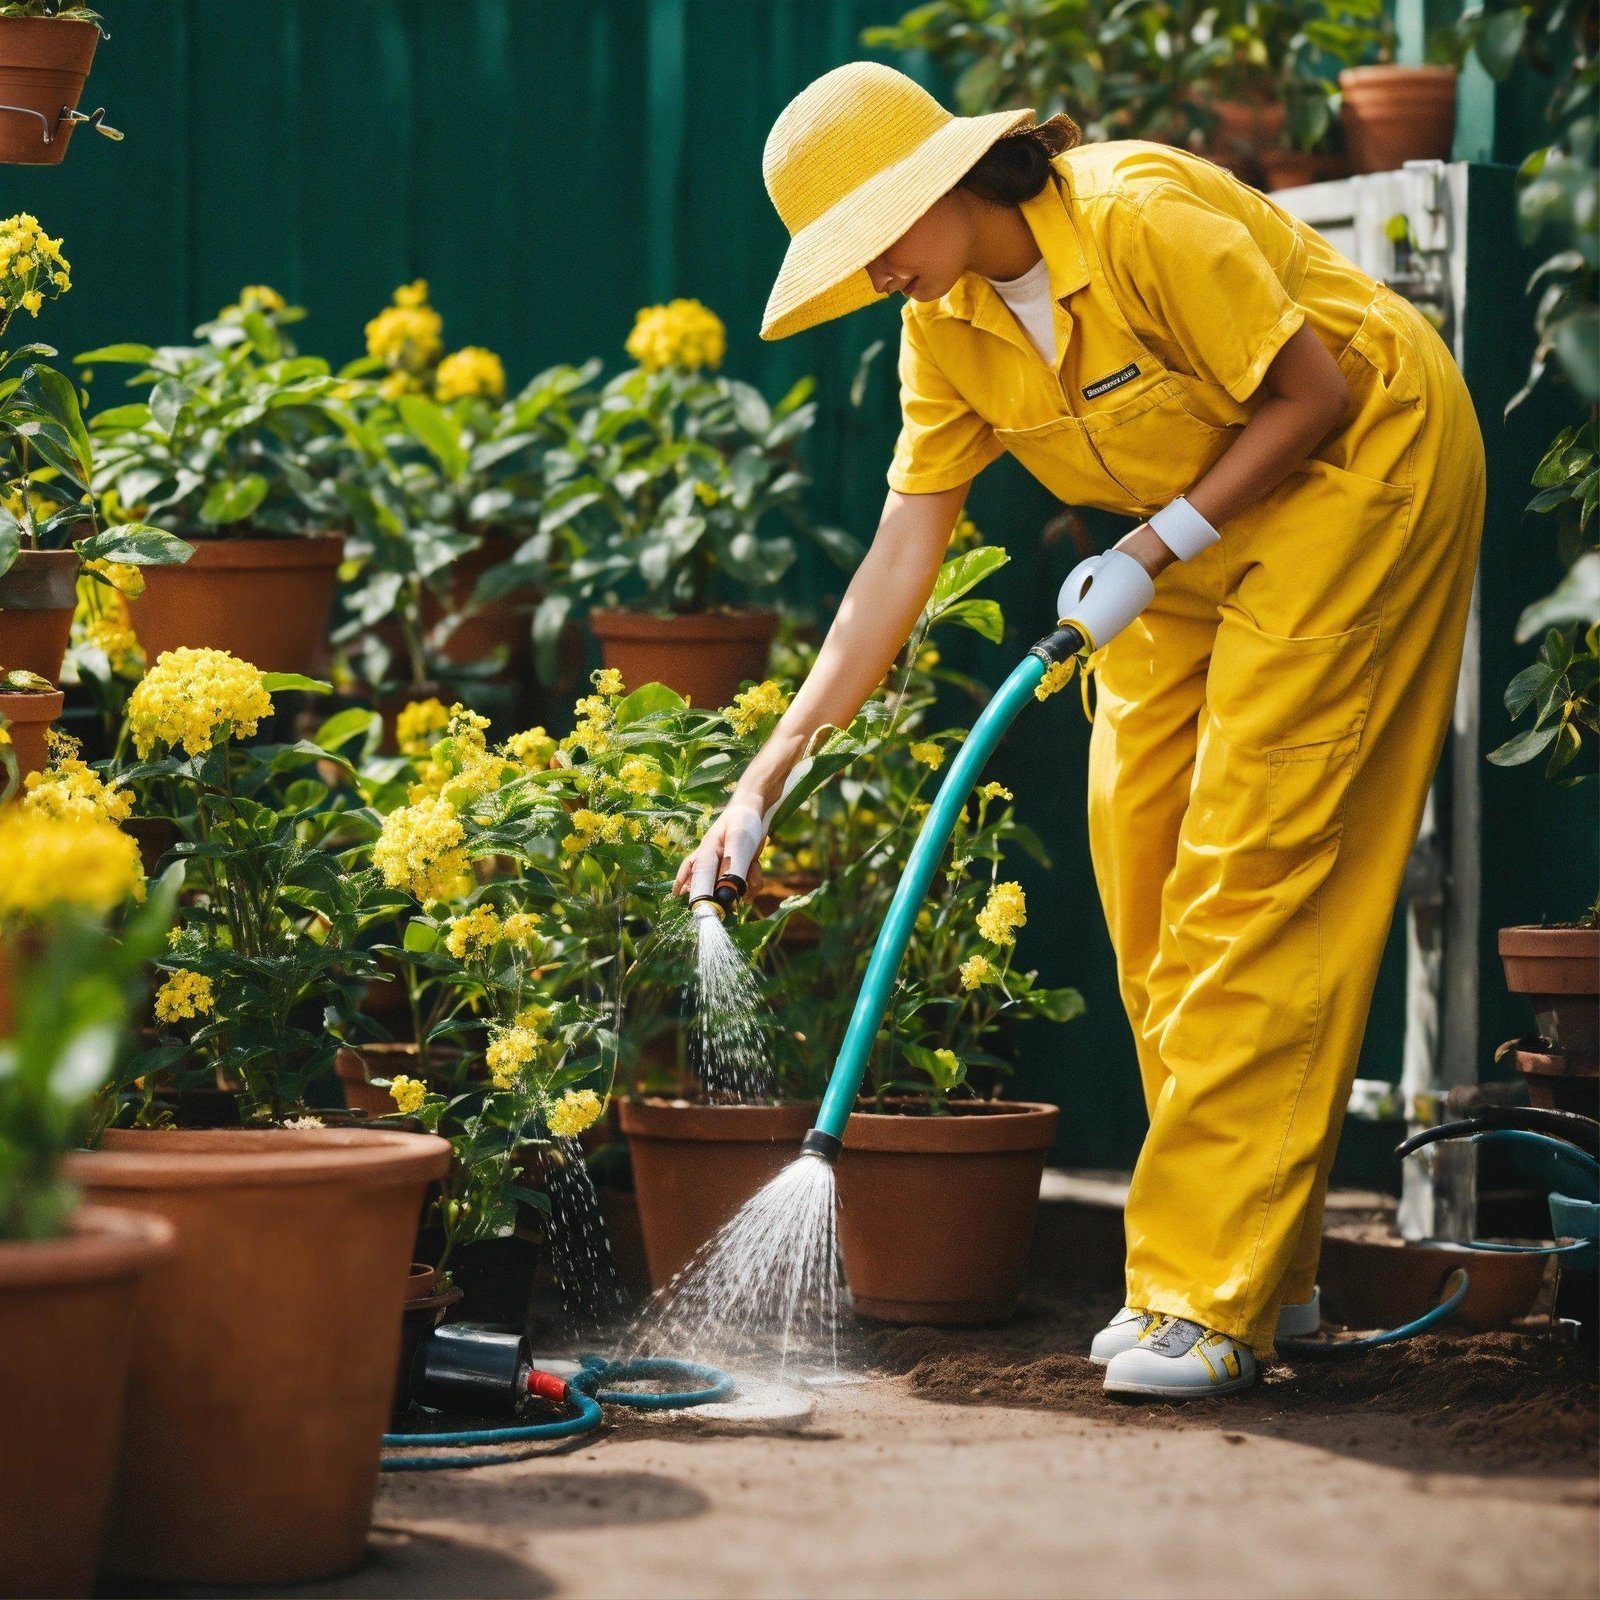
pixel 1244 129
pixel 30 716
pixel 356 1068
pixel 1559 1080
pixel 480 629
pixel 1393 114
pixel 1289 169
pixel 66 1330
pixel 264 600
pixel 43 64
pixel 1558 968
pixel 800 931
pixel 1382 1283
pixel 705 656
pixel 695 1165
pixel 37 599
pixel 426 1306
pixel 936 1213
pixel 265 1349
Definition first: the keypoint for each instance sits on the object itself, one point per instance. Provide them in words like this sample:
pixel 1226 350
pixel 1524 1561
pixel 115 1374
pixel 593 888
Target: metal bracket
pixel 68 116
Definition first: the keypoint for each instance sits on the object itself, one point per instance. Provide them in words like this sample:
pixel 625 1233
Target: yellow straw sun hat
pixel 852 161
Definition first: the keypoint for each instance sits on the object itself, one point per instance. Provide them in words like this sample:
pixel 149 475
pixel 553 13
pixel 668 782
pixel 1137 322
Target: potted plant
pixel 71 967
pixel 46 50
pixel 240 446
pixel 29 707
pixel 47 513
pixel 665 508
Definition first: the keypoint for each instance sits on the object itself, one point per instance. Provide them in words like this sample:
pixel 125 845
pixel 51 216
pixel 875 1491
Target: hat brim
pixel 824 269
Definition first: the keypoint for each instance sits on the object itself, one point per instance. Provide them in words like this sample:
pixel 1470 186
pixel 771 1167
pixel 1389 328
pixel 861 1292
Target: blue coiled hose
pixel 585 1395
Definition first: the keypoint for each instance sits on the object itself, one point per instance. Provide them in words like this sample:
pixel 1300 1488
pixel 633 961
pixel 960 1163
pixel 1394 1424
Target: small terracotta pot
pixel 480 629
pixel 1559 1080
pixel 1382 1283
pixel 265 1349
pixel 1290 169
pixel 695 1165
pixel 1393 114
pixel 936 1213
pixel 800 931
pixel 37 598
pixel 356 1068
pixel 264 600
pixel 43 64
pixel 66 1331
pixel 704 656
pixel 1558 968
pixel 30 716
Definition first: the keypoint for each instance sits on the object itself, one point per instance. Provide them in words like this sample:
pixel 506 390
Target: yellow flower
pixel 184 994
pixel 706 493
pixel 511 1048
pixel 31 265
pixel 51 861
pixel 928 753
pixel 69 788
pixel 521 927
pixel 534 1016
pixel 417 724
pixel 1005 910
pixel 414 293
pixel 191 697
pixel 530 749
pixel 259 297
pixel 949 1061
pixel 996 791
pixel 471 370
pixel 928 657
pixel 408 1094
pixel 1056 676
pixel 576 1110
pixel 476 931
pixel 421 848
pixel 607 680
pixel 32 299
pixel 593 730
pixel 638 775
pixel 750 706
pixel 964 533
pixel 976 971
pixel 681 333
pixel 408 335
pixel 124 577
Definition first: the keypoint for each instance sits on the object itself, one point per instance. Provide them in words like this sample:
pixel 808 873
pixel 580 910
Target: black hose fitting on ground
pixel 821 1145
pixel 1057 647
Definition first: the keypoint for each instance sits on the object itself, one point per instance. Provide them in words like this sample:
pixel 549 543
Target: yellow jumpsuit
pixel 1266 730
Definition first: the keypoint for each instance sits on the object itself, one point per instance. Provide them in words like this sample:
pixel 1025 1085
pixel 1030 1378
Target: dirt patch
pixel 1520 1399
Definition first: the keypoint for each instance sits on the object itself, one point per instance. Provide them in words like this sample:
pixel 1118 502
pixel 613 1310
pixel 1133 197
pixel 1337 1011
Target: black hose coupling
pixel 821 1145
pixel 1057 647
pixel 729 892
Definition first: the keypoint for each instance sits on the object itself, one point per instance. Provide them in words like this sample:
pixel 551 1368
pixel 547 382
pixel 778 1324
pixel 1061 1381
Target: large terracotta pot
pixel 1394 114
pixel 37 598
pixel 695 1165
pixel 705 656
pixel 66 1330
pixel 43 63
pixel 30 716
pixel 1558 968
pixel 264 600
pixel 1382 1283
pixel 936 1213
pixel 265 1349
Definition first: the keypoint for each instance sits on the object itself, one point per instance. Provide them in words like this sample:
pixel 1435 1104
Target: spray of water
pixel 766 1293
pixel 592 1298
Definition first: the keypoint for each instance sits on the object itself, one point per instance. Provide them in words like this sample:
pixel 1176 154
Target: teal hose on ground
pixel 878 984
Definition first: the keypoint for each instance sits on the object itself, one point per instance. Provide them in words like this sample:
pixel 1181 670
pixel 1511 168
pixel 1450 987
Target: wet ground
pixel 990 1464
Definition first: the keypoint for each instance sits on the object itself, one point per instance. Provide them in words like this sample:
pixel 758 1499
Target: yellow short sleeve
pixel 943 441
pixel 1208 284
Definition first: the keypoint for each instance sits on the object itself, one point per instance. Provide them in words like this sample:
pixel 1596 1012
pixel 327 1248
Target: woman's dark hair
pixel 1017 165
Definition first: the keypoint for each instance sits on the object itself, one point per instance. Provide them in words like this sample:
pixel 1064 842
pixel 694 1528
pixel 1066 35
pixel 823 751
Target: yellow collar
pixel 972 298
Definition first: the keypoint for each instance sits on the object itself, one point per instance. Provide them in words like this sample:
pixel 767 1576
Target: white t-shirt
pixel 1029 299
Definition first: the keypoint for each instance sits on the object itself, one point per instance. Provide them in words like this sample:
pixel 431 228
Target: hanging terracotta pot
pixel 30 716
pixel 264 600
pixel 37 598
pixel 936 1213
pixel 695 1165
pixel 43 64
pixel 265 1348
pixel 1394 114
pixel 66 1330
pixel 705 656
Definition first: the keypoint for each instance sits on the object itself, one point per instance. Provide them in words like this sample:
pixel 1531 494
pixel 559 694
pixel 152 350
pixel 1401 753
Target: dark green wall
pixel 549 166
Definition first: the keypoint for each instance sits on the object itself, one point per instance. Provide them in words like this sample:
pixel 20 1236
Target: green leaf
pixel 1500 39
pixel 272 682
pixel 963 572
pixel 137 544
pixel 136 354
pixel 438 434
pixel 233 499
pixel 645 700
pixel 1523 748
pixel 421 937
pixel 343 726
pixel 982 616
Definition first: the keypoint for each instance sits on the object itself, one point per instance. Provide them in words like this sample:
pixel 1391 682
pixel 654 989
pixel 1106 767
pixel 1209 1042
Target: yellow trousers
pixel 1264 737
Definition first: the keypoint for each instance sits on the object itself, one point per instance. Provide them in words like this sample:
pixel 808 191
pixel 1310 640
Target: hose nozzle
pixel 821 1145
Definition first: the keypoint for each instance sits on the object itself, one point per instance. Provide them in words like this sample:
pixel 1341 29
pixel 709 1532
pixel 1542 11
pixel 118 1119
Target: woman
pixel 1277 641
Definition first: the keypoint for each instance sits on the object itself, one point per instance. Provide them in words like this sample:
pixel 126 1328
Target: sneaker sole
pixel 1166 1391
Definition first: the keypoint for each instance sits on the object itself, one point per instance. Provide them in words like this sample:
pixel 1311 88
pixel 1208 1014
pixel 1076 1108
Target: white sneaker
pixel 1296 1320
pixel 1119 1334
pixel 1179 1360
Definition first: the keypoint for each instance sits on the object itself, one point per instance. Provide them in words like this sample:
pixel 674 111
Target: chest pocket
pixel 1130 451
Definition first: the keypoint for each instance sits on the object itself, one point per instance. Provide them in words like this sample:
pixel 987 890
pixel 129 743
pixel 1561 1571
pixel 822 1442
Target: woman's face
pixel 925 261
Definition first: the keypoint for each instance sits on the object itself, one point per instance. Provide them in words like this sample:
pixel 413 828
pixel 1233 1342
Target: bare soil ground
pixel 989 1463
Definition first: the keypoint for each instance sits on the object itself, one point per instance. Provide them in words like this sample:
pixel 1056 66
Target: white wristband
pixel 1182 529
pixel 1120 590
